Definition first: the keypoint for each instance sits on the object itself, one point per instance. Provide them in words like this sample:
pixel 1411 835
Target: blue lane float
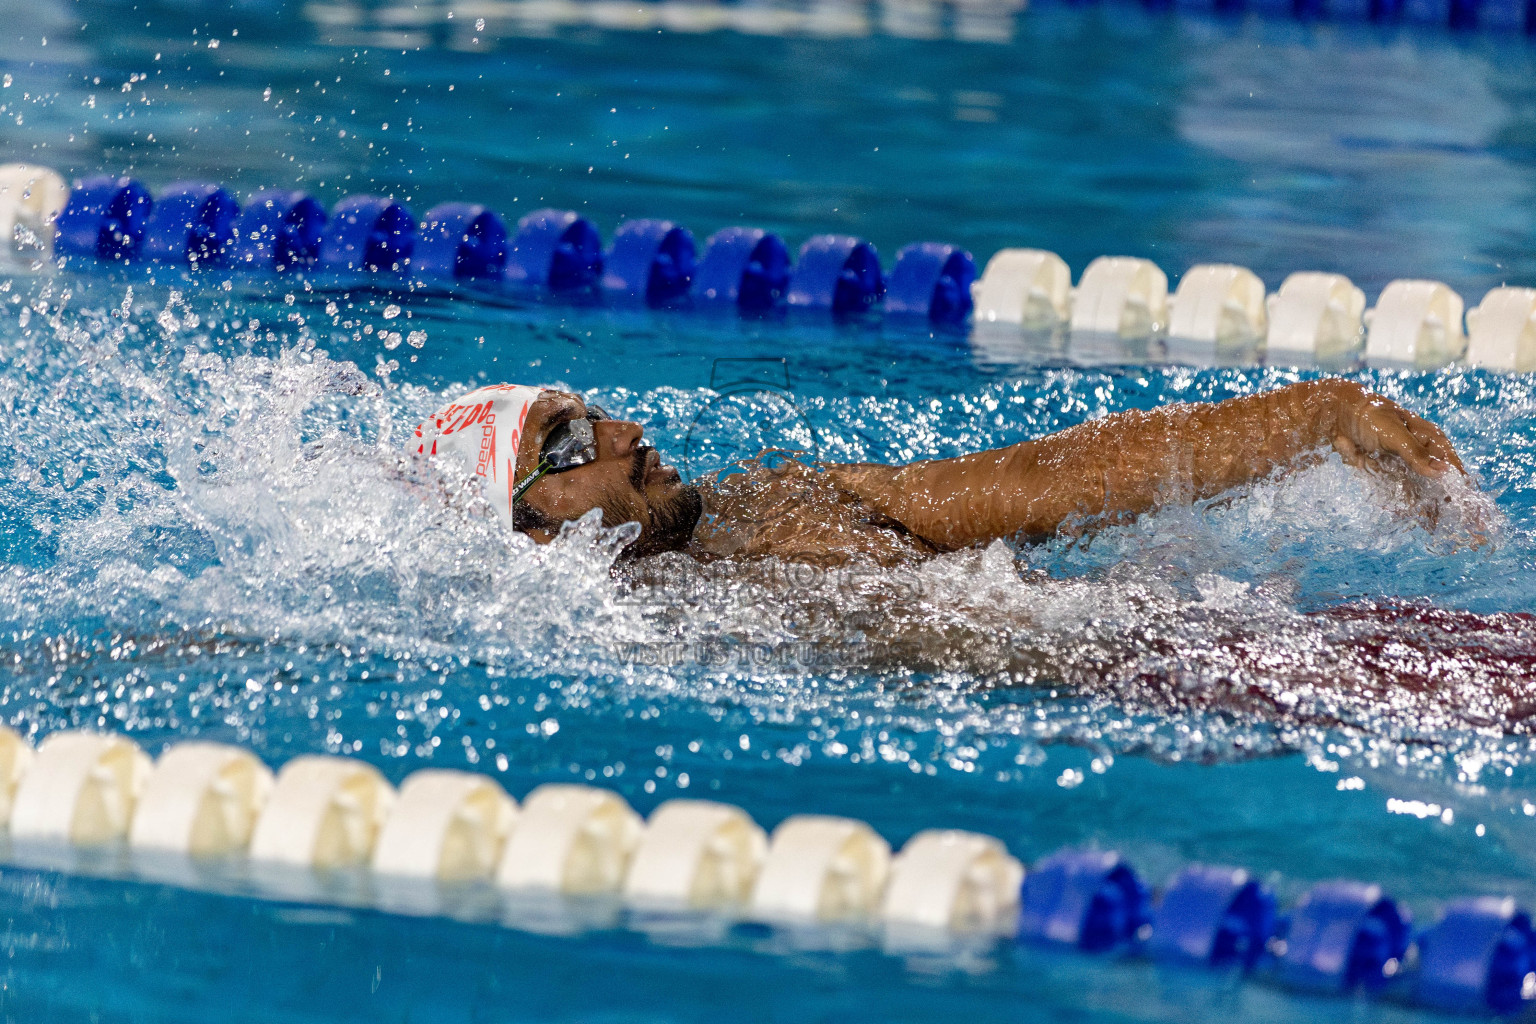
pixel 1477 957
pixel 931 280
pixel 650 260
pixel 838 273
pixel 372 233
pixel 1460 15
pixel 1504 15
pixel 1218 917
pixel 461 240
pixel 1344 935
pixel 104 218
pixel 744 267
pixel 190 223
pixel 1090 899
pixel 555 249
pixel 278 230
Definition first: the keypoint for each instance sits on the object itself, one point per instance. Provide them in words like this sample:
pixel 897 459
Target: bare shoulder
pixel 799 513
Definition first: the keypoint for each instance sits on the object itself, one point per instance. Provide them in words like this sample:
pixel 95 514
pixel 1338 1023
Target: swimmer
pixel 548 458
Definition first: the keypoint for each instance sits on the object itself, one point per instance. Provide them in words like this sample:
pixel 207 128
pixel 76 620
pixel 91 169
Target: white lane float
pixel 324 812
pixel 202 800
pixel 947 880
pixel 1218 304
pixel 1029 287
pixel 31 199
pixel 571 839
pixel 1501 331
pixel 1121 295
pixel 81 788
pixel 1415 323
pixel 15 758
pixel 696 855
pixel 821 868
pixel 447 825
pixel 1316 316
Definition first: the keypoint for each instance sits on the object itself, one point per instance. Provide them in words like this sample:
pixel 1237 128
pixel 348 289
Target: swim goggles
pixel 569 444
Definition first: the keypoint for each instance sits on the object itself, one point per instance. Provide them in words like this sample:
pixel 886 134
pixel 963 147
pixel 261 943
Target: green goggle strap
pixel 532 478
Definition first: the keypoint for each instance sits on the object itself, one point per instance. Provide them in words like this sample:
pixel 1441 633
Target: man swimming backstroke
pixel 548 458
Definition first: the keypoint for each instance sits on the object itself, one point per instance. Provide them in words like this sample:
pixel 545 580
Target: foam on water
pixel 218 530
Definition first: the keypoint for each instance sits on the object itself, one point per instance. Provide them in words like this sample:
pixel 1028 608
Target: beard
pixel 672 523
pixel 672 520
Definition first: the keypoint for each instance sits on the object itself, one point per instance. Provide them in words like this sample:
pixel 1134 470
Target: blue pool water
pixel 207 532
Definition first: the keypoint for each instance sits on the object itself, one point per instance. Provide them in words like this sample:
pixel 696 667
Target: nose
pixel 616 439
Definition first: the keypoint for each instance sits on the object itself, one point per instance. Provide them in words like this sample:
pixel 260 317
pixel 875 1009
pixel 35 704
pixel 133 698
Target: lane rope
pixel 325 816
pixel 1217 312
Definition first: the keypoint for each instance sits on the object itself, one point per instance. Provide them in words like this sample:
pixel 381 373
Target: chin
pixel 674 514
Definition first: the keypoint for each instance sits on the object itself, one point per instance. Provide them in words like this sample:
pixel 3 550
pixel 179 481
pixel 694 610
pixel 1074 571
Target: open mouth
pixel 647 461
pixel 654 470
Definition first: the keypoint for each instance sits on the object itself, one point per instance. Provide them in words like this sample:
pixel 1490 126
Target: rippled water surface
pixel 209 529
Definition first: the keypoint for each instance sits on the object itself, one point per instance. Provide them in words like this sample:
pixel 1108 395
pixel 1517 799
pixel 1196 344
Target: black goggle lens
pixel 572 443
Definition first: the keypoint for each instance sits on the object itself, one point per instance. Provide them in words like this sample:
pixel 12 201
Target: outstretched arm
pixel 1132 462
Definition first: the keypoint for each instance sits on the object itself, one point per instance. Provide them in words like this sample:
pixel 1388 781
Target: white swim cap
pixel 483 431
